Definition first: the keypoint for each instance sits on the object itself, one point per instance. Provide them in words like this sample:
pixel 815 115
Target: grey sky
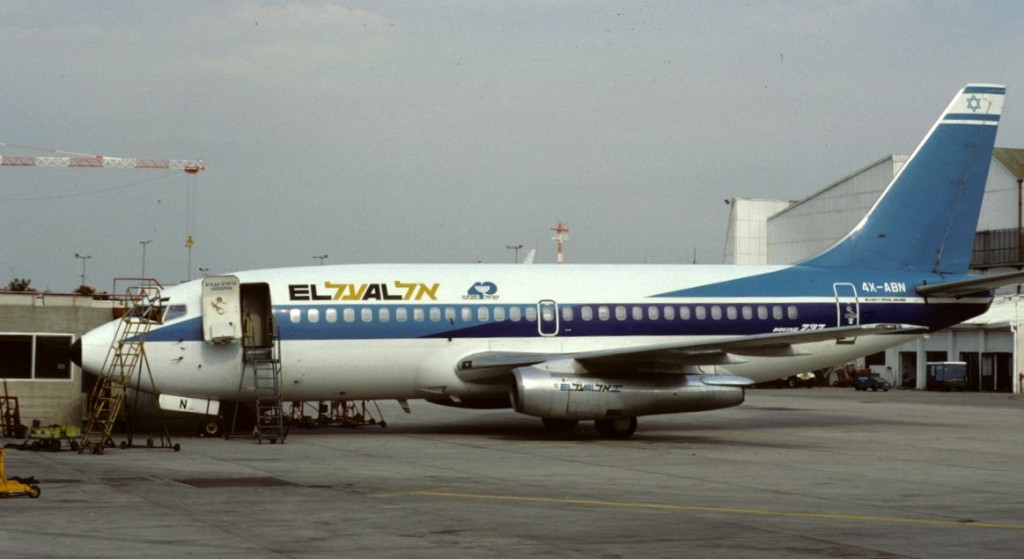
pixel 443 131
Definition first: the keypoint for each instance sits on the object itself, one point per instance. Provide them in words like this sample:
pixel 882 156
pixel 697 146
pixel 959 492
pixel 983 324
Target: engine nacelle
pixel 566 396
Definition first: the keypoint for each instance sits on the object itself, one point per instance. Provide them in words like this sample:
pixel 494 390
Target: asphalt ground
pixel 791 473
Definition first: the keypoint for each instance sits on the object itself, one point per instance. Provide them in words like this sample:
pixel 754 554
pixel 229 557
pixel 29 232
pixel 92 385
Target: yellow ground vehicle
pixel 14 486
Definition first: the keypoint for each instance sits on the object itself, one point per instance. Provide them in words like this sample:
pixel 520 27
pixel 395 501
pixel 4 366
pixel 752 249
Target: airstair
pixel 263 366
pixel 124 365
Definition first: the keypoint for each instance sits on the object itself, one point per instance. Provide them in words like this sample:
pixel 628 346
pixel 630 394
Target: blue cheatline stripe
pixel 970 116
pixel 985 89
pixel 808 315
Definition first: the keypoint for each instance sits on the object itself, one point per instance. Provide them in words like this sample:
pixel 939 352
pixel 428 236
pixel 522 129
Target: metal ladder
pixel 125 359
pixel 267 386
pixel 264 365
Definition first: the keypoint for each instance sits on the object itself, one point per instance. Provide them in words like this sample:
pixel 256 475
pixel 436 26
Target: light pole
pixel 515 248
pixel 321 258
pixel 144 243
pixel 83 257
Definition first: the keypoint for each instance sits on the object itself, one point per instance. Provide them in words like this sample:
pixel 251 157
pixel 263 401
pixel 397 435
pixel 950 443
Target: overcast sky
pixel 444 131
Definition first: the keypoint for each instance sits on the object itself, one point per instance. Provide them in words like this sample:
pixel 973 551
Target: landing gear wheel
pixel 559 425
pixel 618 428
pixel 209 428
pixel 34 491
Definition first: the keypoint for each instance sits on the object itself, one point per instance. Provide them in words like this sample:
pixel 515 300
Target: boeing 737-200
pixel 602 343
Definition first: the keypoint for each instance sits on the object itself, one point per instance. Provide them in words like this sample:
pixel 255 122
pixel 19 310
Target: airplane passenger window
pixel 748 312
pixel 652 312
pixel 449 315
pixel 401 314
pixel 791 312
pixel 776 312
pixel 483 314
pixel 701 312
pixel 548 313
pixel 684 313
pixel 384 315
pixel 762 312
pixel 602 313
pixel 587 314
pixel 417 314
pixel 531 314
pixel 670 312
pixel 467 314
pixel 499 313
pixel 366 315
pixel 716 312
pixel 331 315
pixel 730 312
pixel 515 313
pixel 435 314
pixel 295 315
pixel 313 315
pixel 620 313
pixel 567 314
pixel 638 313
pixel 348 314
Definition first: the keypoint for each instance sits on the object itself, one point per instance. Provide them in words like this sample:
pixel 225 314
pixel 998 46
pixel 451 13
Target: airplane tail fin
pixel 926 218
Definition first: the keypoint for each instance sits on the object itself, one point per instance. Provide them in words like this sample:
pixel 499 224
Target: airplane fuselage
pixel 387 331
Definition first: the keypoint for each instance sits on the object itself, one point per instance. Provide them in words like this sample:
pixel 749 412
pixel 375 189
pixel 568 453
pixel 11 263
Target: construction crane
pixel 70 159
pixel 67 159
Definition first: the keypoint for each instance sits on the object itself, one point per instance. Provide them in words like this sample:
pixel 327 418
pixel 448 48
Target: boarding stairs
pixel 264 367
pixel 125 363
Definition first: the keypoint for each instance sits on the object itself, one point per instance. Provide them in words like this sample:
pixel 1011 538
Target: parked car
pixel 872 381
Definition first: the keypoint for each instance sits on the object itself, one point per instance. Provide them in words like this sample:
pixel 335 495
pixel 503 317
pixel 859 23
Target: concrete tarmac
pixel 791 473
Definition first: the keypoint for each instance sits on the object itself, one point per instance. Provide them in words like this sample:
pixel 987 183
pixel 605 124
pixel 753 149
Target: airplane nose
pixel 76 352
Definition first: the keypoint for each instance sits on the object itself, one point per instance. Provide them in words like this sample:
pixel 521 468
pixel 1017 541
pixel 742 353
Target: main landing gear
pixel 616 428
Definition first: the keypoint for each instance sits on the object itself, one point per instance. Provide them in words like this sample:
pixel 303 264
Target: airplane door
pixel 547 318
pixel 847 304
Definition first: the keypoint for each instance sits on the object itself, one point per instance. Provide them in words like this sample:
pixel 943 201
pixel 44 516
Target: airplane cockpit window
pixel 175 312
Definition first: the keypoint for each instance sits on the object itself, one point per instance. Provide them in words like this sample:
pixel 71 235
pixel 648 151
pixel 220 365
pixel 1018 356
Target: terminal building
pixel 37 329
pixel 765 231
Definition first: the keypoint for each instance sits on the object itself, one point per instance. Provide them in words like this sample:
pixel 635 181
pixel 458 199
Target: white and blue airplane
pixel 602 343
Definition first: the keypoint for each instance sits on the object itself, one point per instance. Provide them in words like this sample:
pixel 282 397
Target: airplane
pixel 602 343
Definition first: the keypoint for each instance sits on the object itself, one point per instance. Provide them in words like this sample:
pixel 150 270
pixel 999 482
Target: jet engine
pixel 560 396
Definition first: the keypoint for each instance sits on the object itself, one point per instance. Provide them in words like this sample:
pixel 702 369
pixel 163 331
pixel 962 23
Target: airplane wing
pixel 961 288
pixel 670 357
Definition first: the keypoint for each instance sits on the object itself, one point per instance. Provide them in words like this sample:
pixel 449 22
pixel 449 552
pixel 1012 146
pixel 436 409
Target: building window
pixel 35 356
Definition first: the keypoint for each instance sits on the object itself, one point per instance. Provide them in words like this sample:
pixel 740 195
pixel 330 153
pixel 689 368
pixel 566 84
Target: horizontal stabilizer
pixel 960 288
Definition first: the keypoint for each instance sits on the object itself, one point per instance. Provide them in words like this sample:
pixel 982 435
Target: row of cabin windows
pixel 568 314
